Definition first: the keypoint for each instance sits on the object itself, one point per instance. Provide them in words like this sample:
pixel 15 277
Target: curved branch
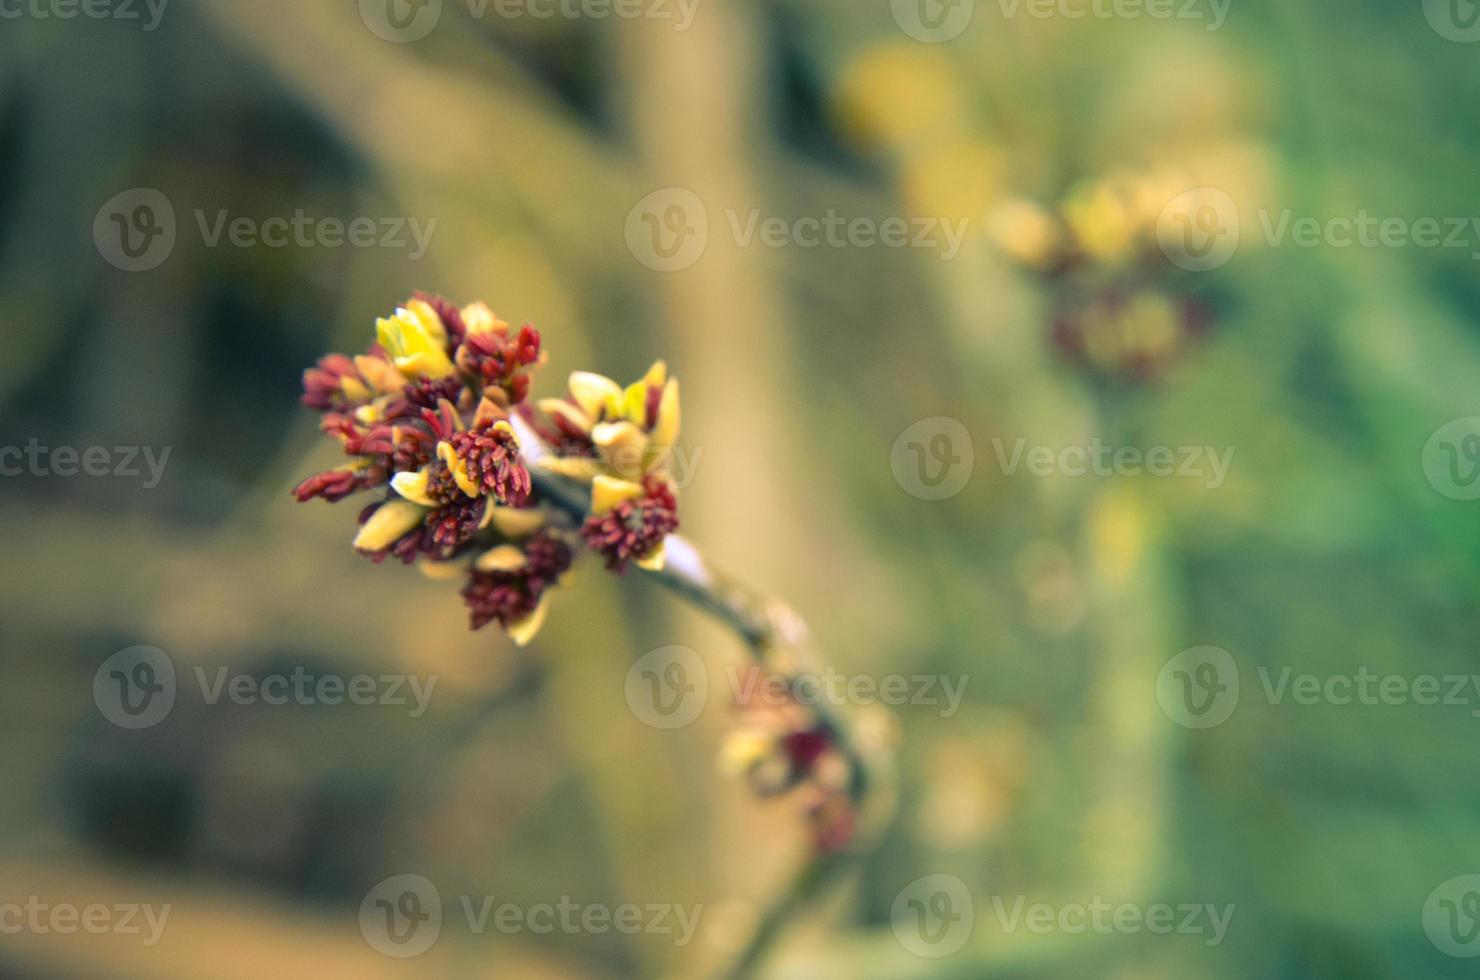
pixel 771 631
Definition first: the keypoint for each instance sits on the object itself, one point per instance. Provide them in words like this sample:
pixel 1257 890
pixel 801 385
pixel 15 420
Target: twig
pixel 771 632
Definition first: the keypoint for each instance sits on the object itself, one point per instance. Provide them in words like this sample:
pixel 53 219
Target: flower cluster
pixel 620 440
pixel 1122 310
pixel 783 746
pixel 435 418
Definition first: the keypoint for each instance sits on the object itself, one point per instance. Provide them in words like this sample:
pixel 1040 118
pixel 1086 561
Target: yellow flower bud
pixel 655 560
pixel 389 524
pixel 665 430
pixel 743 748
pixel 459 468
pixel 595 393
pixel 380 373
pixel 504 558
pixel 521 631
pixel 514 522
pixel 623 447
pixel 570 413
pixel 413 486
pixel 478 318
pixel 607 492
pixel 416 341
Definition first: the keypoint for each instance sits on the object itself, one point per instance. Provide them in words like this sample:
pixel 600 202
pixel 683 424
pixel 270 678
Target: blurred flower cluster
pixel 436 419
pixel 782 745
pixel 1120 308
pixel 1119 252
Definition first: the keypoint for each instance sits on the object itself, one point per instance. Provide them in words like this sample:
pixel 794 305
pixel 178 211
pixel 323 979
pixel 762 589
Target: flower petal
pixel 655 560
pixel 573 414
pixel 427 319
pixel 580 468
pixel 607 492
pixel 622 446
pixel 386 526
pixel 521 631
pixel 745 747
pixel 595 392
pixel 443 570
pixel 416 341
pixel 413 486
pixel 478 318
pixel 459 468
pixel 504 558
pixel 634 403
pixel 517 522
pixel 665 431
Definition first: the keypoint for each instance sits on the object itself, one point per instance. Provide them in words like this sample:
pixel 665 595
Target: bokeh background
pixel 1335 544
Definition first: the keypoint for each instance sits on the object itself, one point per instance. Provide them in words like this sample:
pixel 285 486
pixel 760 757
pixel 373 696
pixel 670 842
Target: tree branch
pixel 776 639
